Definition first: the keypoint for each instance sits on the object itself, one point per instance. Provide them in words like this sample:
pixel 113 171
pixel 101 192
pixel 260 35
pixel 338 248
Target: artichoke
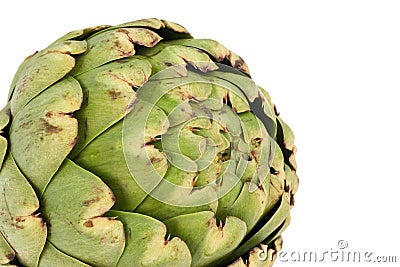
pixel 137 145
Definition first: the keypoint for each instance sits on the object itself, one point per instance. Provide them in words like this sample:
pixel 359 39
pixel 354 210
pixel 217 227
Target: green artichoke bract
pixel 137 145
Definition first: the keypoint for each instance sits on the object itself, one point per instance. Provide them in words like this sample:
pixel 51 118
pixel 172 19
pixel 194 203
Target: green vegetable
pixel 137 145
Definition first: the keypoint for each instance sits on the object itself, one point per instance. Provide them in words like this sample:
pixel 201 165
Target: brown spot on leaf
pixel 166 241
pixel 50 128
pixel 10 256
pixel 20 219
pixel 292 201
pixel 26 116
pixel 65 96
pixel 32 54
pixel 117 43
pixel 220 226
pixel 155 160
pixel 26 125
pixel 49 114
pixel 211 222
pixel 261 188
pixel 153 42
pixel 88 224
pixel 18 226
pixel 238 64
pixel 72 144
pixel 120 79
pixel 114 94
pixel 126 32
pixel 91 201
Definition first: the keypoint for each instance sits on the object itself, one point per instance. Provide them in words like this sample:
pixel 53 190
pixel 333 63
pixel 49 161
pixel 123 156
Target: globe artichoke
pixel 137 145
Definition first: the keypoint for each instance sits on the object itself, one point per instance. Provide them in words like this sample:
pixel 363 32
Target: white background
pixel 331 67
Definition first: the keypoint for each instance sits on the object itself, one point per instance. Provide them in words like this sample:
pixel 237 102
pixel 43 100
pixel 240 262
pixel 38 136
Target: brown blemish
pixel 49 114
pixel 155 160
pixel 88 224
pixel 127 34
pixel 72 144
pixel 26 125
pixel 292 200
pixel 261 188
pixel 117 43
pixel 19 219
pixel 121 79
pixel 18 226
pixel 31 55
pixel 91 201
pixel 254 156
pixel 114 94
pixel 220 226
pixel 169 64
pixel 50 128
pixel 211 222
pixel 238 64
pixel 65 96
pixel 10 256
pixel 26 116
pixel 153 42
pixel 166 241
pixel 124 53
pixel 8 112
pixel 23 84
